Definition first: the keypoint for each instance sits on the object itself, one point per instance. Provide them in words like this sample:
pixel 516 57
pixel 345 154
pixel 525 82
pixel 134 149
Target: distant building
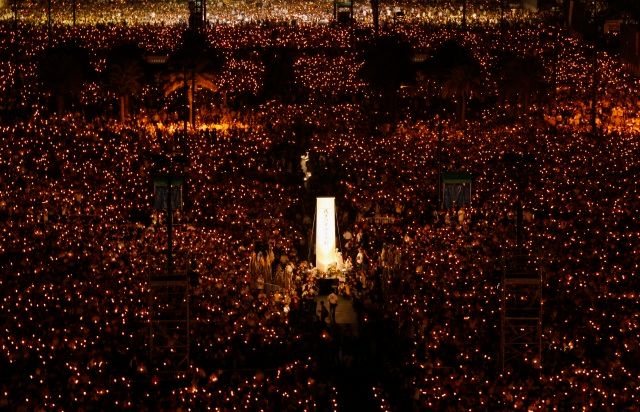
pixel 630 46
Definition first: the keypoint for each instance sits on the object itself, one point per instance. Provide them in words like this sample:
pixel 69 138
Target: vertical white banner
pixel 325 233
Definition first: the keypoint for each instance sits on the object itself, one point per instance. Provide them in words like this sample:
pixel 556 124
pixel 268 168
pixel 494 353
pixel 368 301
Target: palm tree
pixel 279 73
pixel 125 75
pixel 458 72
pixel 125 80
pixel 191 77
pixel 193 66
pixel 387 66
pixel 461 83
pixel 63 71
pixel 522 79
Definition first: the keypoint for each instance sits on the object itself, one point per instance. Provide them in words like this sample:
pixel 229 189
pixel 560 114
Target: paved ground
pixel 345 315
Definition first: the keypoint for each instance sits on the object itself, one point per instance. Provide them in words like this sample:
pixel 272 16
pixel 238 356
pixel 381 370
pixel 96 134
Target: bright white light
pixel 325 233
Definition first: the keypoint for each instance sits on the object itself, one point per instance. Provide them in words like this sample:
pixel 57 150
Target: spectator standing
pixel 323 313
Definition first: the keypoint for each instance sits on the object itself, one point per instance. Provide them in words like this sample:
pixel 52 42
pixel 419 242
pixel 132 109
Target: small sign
pixel 612 26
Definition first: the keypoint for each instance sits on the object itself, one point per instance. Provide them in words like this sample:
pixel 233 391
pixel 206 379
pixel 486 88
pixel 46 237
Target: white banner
pixel 325 233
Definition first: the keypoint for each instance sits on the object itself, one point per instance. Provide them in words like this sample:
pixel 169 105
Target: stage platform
pixel 326 285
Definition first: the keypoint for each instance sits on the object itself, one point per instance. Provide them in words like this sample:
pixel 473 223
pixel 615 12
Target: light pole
pixel 594 90
pixel 520 167
pixel 169 221
pixel 464 14
pixel 594 68
pixel 188 106
pixel 439 155
pixel 375 10
pixel 204 13
pixel 49 18
pixel 14 8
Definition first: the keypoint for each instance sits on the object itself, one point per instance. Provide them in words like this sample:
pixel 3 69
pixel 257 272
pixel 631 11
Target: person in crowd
pixel 333 304
pixel 322 312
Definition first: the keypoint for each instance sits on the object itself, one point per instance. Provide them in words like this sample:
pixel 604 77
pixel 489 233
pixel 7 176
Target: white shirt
pixel 333 299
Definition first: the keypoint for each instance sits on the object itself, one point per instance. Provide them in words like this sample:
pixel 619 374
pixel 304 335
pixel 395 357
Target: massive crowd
pixel 248 12
pixel 80 237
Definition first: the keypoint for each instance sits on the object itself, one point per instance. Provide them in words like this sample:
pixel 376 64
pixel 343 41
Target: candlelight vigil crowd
pixel 260 118
pixel 248 12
